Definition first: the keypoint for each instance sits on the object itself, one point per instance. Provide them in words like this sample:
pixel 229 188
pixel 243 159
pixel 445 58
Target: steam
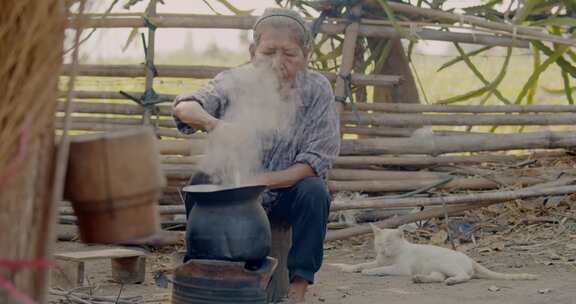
pixel 260 106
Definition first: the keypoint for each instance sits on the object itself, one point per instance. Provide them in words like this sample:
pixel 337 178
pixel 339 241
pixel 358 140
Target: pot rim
pixel 210 194
pixel 212 188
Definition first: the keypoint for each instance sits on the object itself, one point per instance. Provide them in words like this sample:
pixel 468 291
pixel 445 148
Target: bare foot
pixel 297 291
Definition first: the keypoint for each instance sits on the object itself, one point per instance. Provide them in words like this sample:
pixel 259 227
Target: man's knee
pixel 312 192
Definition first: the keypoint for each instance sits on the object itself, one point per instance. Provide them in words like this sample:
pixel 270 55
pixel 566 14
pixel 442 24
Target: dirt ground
pixel 548 250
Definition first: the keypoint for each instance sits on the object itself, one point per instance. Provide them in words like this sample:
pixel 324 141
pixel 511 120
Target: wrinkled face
pixel 283 50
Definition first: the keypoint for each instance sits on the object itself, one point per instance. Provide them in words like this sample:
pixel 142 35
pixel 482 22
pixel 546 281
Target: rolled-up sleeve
pixel 211 97
pixel 321 144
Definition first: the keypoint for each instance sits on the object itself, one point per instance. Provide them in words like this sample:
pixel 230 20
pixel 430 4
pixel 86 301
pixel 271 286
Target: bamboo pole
pixel 404 219
pixel 491 197
pixel 474 183
pixel 171 159
pixel 436 145
pixel 378 131
pixel 150 51
pixel 113 108
pixel 118 121
pixel 396 107
pixel 101 127
pixel 181 147
pixel 480 22
pixel 441 108
pixel 333 28
pixel 454 205
pixel 379 31
pixel 433 145
pixel 382 175
pixel 347 61
pixel 111 95
pixel 204 72
pixel 417 120
pixel 352 161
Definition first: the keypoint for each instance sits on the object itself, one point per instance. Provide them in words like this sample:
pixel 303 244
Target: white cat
pixel 424 263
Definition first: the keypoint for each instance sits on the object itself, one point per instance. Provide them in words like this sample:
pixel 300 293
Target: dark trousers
pixel 305 206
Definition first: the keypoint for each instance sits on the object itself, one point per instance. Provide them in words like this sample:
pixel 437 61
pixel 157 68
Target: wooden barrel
pixel 114 181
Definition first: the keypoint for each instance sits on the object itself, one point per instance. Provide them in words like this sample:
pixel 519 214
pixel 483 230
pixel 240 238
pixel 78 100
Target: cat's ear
pixel 399 233
pixel 375 228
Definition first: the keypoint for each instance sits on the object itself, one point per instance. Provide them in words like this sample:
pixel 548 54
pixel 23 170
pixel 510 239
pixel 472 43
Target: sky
pixel 169 39
pixel 108 43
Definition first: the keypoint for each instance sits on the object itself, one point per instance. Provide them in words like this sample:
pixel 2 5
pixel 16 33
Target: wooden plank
pixel 99 254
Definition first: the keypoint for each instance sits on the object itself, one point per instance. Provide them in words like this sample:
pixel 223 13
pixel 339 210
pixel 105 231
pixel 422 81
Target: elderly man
pixel 296 165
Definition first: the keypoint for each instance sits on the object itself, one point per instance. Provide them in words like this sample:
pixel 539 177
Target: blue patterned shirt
pixel 314 139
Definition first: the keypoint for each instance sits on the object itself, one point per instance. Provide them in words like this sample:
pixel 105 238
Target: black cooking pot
pixel 227 224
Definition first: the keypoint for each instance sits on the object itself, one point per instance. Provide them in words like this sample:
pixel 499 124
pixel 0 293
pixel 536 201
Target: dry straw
pixel 29 68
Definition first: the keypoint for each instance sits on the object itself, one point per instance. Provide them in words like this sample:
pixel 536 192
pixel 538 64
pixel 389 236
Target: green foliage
pixel 556 17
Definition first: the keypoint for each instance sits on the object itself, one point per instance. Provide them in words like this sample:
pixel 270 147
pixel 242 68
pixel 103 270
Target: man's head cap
pixel 278 12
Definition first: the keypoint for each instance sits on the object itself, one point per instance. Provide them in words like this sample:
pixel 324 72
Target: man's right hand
pixel 192 113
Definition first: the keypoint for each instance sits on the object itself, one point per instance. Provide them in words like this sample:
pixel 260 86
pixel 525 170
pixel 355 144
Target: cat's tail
pixel 483 272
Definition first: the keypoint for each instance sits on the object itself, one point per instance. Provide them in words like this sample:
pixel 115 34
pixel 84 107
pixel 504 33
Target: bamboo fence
pixel 393 152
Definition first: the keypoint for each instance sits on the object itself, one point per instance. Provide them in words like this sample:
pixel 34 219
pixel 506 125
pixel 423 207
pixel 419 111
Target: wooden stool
pixel 281 243
pixel 128 266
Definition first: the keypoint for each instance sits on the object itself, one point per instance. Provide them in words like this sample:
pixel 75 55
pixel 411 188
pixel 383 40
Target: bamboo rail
pixel 473 183
pixel 382 175
pixel 476 21
pixel 351 161
pixel 436 145
pixel 380 107
pixel 118 121
pixel 112 108
pixel 204 72
pixel 418 120
pixel 101 127
pixel 493 196
pixel 441 108
pixel 337 27
pixel 453 205
pixel 397 120
pixel 110 95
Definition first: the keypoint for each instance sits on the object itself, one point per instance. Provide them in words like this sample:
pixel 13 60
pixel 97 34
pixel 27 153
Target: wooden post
pixel 397 63
pixel 348 49
pixel 128 270
pixel 150 58
pixel 281 244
